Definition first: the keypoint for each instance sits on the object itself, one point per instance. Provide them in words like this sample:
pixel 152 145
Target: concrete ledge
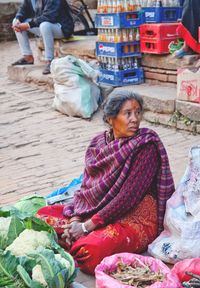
pixel 80 46
pixel 31 74
pixel 157 118
pixel 189 109
pixel 157 98
pixel 168 62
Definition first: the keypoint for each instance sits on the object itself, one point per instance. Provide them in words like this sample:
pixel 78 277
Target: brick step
pixel 159 101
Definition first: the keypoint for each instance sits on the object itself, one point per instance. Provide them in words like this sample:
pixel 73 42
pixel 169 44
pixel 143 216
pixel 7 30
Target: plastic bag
pixel 64 194
pixel 181 236
pixel 109 264
pixel 76 94
pixel 189 265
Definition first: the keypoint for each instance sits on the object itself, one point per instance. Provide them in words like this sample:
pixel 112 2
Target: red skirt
pixel 132 233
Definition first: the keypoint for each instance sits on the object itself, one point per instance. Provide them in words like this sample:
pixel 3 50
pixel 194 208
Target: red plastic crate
pixel 155 38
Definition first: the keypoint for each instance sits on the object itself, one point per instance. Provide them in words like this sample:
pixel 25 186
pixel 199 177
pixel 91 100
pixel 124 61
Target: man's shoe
pixel 22 61
pixel 47 69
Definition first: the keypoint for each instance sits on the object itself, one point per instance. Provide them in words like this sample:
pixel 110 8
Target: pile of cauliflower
pixel 29 242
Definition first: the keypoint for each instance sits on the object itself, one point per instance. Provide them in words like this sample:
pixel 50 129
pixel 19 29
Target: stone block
pixel 172 78
pixel 156 98
pixel 181 126
pixel 156 82
pixel 8 11
pixel 31 74
pixel 158 118
pixel 168 62
pixel 156 76
pixel 189 109
pixel 198 128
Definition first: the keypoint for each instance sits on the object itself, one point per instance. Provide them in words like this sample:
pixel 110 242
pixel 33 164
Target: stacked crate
pixel 160 25
pixel 118 45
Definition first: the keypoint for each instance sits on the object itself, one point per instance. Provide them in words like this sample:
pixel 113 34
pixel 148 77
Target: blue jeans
pixel 48 31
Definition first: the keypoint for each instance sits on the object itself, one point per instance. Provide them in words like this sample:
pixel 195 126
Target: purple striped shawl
pixel 106 168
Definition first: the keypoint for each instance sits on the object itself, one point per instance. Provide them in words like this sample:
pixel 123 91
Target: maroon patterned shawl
pixel 106 168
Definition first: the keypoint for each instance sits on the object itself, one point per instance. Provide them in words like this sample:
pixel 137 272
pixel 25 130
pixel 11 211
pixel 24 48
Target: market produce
pixel 4 226
pixel 28 241
pixel 136 276
pixel 30 255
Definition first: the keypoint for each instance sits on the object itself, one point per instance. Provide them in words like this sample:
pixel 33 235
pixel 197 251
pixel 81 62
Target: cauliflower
pixel 62 260
pixel 37 275
pixel 4 226
pixel 28 241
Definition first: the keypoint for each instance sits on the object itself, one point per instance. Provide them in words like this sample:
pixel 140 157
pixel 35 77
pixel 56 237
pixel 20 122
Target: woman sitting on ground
pixel 126 183
pixel 189 28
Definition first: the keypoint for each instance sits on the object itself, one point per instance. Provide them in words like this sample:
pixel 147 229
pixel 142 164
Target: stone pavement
pixel 41 149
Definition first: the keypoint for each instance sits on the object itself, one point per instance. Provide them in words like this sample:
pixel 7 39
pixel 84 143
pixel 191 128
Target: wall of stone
pixel 7 13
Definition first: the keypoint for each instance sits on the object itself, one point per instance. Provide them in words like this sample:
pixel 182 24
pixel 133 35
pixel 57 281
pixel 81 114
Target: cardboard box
pixel 188 84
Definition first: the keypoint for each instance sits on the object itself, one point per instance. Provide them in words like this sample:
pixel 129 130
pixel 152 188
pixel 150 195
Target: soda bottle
pixel 124 35
pixel 126 6
pixel 131 35
pixel 132 48
pixel 158 3
pixel 137 36
pixel 109 6
pixel 105 6
pixel 114 6
pixel 125 49
pixel 118 35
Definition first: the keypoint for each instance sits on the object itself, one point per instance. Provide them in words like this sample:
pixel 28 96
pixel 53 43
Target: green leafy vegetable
pixel 30 204
pixel 8 271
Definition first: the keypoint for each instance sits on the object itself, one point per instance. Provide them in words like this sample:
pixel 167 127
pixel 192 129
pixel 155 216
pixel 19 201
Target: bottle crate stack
pixel 118 45
pixel 160 28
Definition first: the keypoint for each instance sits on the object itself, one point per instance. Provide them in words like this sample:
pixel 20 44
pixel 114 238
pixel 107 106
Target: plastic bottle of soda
pixel 118 35
pixel 137 35
pixel 131 35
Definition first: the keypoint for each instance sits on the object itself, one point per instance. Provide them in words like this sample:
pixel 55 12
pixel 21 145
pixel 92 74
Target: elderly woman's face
pixel 127 121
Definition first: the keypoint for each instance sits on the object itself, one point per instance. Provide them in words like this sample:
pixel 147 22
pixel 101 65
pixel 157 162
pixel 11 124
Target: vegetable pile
pixel 194 282
pixel 30 255
pixel 137 276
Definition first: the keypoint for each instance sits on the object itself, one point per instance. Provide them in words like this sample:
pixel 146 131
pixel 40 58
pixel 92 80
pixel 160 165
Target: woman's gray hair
pixel 116 99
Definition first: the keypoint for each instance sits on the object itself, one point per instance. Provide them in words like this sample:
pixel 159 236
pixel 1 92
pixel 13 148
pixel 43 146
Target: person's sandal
pixel 178 54
pixel 47 69
pixel 22 61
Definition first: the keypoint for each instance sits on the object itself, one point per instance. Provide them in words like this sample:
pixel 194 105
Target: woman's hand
pixel 66 236
pixel 73 231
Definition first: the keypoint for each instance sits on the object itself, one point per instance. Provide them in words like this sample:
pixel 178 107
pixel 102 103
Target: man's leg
pixel 24 45
pixel 49 32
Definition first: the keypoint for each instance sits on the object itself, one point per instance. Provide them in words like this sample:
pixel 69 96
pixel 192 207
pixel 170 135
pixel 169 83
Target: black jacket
pixel 54 11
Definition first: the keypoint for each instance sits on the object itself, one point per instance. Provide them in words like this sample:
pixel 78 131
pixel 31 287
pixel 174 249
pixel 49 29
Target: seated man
pixel 50 19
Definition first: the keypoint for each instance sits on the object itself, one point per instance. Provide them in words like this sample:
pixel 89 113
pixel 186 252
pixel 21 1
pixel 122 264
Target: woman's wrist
pixel 89 226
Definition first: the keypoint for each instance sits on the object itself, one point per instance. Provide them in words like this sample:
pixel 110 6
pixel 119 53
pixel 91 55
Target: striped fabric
pixel 106 168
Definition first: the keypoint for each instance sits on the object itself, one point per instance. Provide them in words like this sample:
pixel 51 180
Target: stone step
pixel 160 102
